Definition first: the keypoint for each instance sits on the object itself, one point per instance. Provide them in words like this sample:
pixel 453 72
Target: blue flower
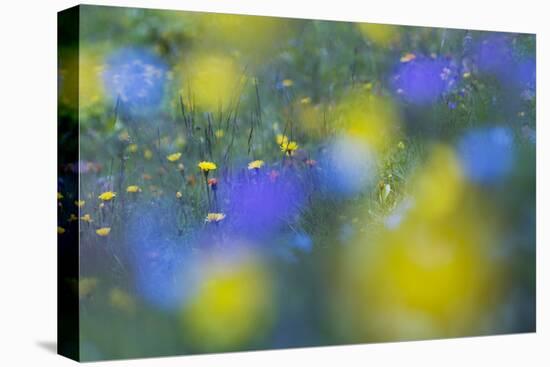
pixel 135 77
pixel 422 80
pixel 495 56
pixel 487 154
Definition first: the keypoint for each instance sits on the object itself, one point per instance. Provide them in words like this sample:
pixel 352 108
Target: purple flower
pixel 495 56
pixel 422 80
pixel 259 207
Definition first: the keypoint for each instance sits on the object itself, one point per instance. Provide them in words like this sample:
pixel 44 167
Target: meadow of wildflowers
pixel 232 183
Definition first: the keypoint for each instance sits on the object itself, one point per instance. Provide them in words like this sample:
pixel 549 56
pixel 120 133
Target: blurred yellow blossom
pixel 407 57
pixel 107 195
pixel 86 286
pixel 86 218
pixel 103 231
pixel 60 230
pixel 281 139
pixel 122 300
pixel 214 217
pixel 257 164
pixel 132 148
pixel 289 147
pixel 174 157
pixel 379 34
pixel 79 203
pixel 287 83
pixel 133 188
pixel 124 136
pixel 212 81
pixel 371 118
pixel 232 304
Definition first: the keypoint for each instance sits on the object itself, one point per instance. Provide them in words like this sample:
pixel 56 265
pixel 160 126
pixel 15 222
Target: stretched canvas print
pixel 235 182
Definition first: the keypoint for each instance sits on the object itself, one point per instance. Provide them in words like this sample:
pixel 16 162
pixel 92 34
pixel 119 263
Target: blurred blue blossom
pixel 348 167
pixel 164 269
pixel 136 77
pixel 423 79
pixel 495 56
pixel 302 241
pixel 259 207
pixel 487 154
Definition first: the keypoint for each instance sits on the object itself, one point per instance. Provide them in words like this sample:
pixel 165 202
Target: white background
pixel 28 182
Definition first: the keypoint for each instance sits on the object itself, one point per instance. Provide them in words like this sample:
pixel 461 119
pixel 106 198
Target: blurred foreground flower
pixel 433 273
pixel 232 305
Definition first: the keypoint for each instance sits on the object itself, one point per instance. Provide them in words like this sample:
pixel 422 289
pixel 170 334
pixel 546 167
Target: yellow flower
pixel 289 147
pixel 207 166
pixel 103 231
pixel 408 57
pixel 122 300
pixel 179 195
pixel 255 164
pixel 305 100
pixel 288 83
pixel 219 133
pixel 59 196
pixel 73 217
pixel 107 195
pixel 132 148
pixel 79 203
pixel 86 218
pixel 174 157
pixel 133 188
pixel 124 136
pixel 215 217
pixel 281 139
pixel 60 230
pixel 401 145
pixel 147 154
pixel 86 286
